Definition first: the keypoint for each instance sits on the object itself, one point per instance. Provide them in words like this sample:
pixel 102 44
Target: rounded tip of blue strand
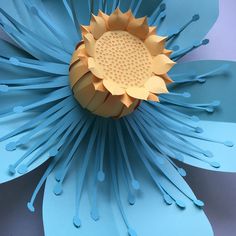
pixel 11 146
pixel 168 200
pixel 210 109
pixel 198 203
pixel 179 157
pixel 196 17
pixel 131 232
pixel 205 41
pixel 216 103
pixel 14 61
pixel 180 204
pixel 53 152
pixel 135 185
pixel 162 7
pixel 76 221
pixel 58 176
pixel 34 10
pixel 175 48
pixel 228 143
pixel 101 176
pixel 199 130
pixel 182 172
pixel 201 80
pixel 131 199
pixel 23 169
pixel 162 15
pixel 18 109
pixel 94 214
pixel 186 95
pixel 30 207
pixel 4 88
pixel 11 169
pixel 226 66
pixel 195 119
pixel 208 154
pixel 215 164
pixel 58 189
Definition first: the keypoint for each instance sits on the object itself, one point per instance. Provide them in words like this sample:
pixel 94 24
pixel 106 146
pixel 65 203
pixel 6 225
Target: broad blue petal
pixel 178 13
pixel 149 216
pixel 220 86
pixel 224 155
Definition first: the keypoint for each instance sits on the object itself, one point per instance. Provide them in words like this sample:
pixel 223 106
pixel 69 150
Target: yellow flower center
pixel 123 58
pixel 120 62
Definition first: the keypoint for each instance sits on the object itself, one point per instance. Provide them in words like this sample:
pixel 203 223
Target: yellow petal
pixel 82 54
pixel 77 71
pixel 89 44
pixel 153 97
pixel 129 109
pixel 112 107
pixel 156 85
pixel 94 69
pixel 162 64
pixel 84 29
pixel 127 100
pixel 167 52
pixel 152 30
pixel 166 78
pixel 155 44
pixel 98 85
pixel 138 27
pixel 118 20
pixel 104 16
pixel 97 26
pixel 137 92
pixel 113 87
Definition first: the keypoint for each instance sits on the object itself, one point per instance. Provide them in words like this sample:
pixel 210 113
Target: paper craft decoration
pixel 120 61
pixel 113 125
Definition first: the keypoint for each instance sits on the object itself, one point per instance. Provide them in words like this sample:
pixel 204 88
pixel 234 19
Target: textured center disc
pixel 123 58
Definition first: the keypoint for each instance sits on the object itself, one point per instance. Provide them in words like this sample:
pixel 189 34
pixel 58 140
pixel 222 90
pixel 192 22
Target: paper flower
pixel 114 176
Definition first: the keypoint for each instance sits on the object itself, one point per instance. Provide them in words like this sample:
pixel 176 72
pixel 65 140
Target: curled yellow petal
pixel 94 69
pixel 98 85
pixel 138 92
pixel 77 71
pixel 118 20
pixel 89 44
pixel 84 29
pixel 155 44
pixel 97 26
pixel 104 16
pixel 162 64
pixel 152 30
pixel 166 78
pixel 156 85
pixel 113 87
pixel 167 52
pixel 138 27
pixel 127 100
pixel 153 97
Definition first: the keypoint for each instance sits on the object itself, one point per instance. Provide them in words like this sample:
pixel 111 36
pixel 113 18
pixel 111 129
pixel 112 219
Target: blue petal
pixel 149 216
pixel 223 152
pixel 178 13
pixel 219 85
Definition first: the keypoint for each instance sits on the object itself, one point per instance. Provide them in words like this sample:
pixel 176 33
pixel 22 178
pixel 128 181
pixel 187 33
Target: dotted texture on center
pixel 123 58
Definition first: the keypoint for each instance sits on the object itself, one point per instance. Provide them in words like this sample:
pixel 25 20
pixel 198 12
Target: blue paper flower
pixel 113 176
